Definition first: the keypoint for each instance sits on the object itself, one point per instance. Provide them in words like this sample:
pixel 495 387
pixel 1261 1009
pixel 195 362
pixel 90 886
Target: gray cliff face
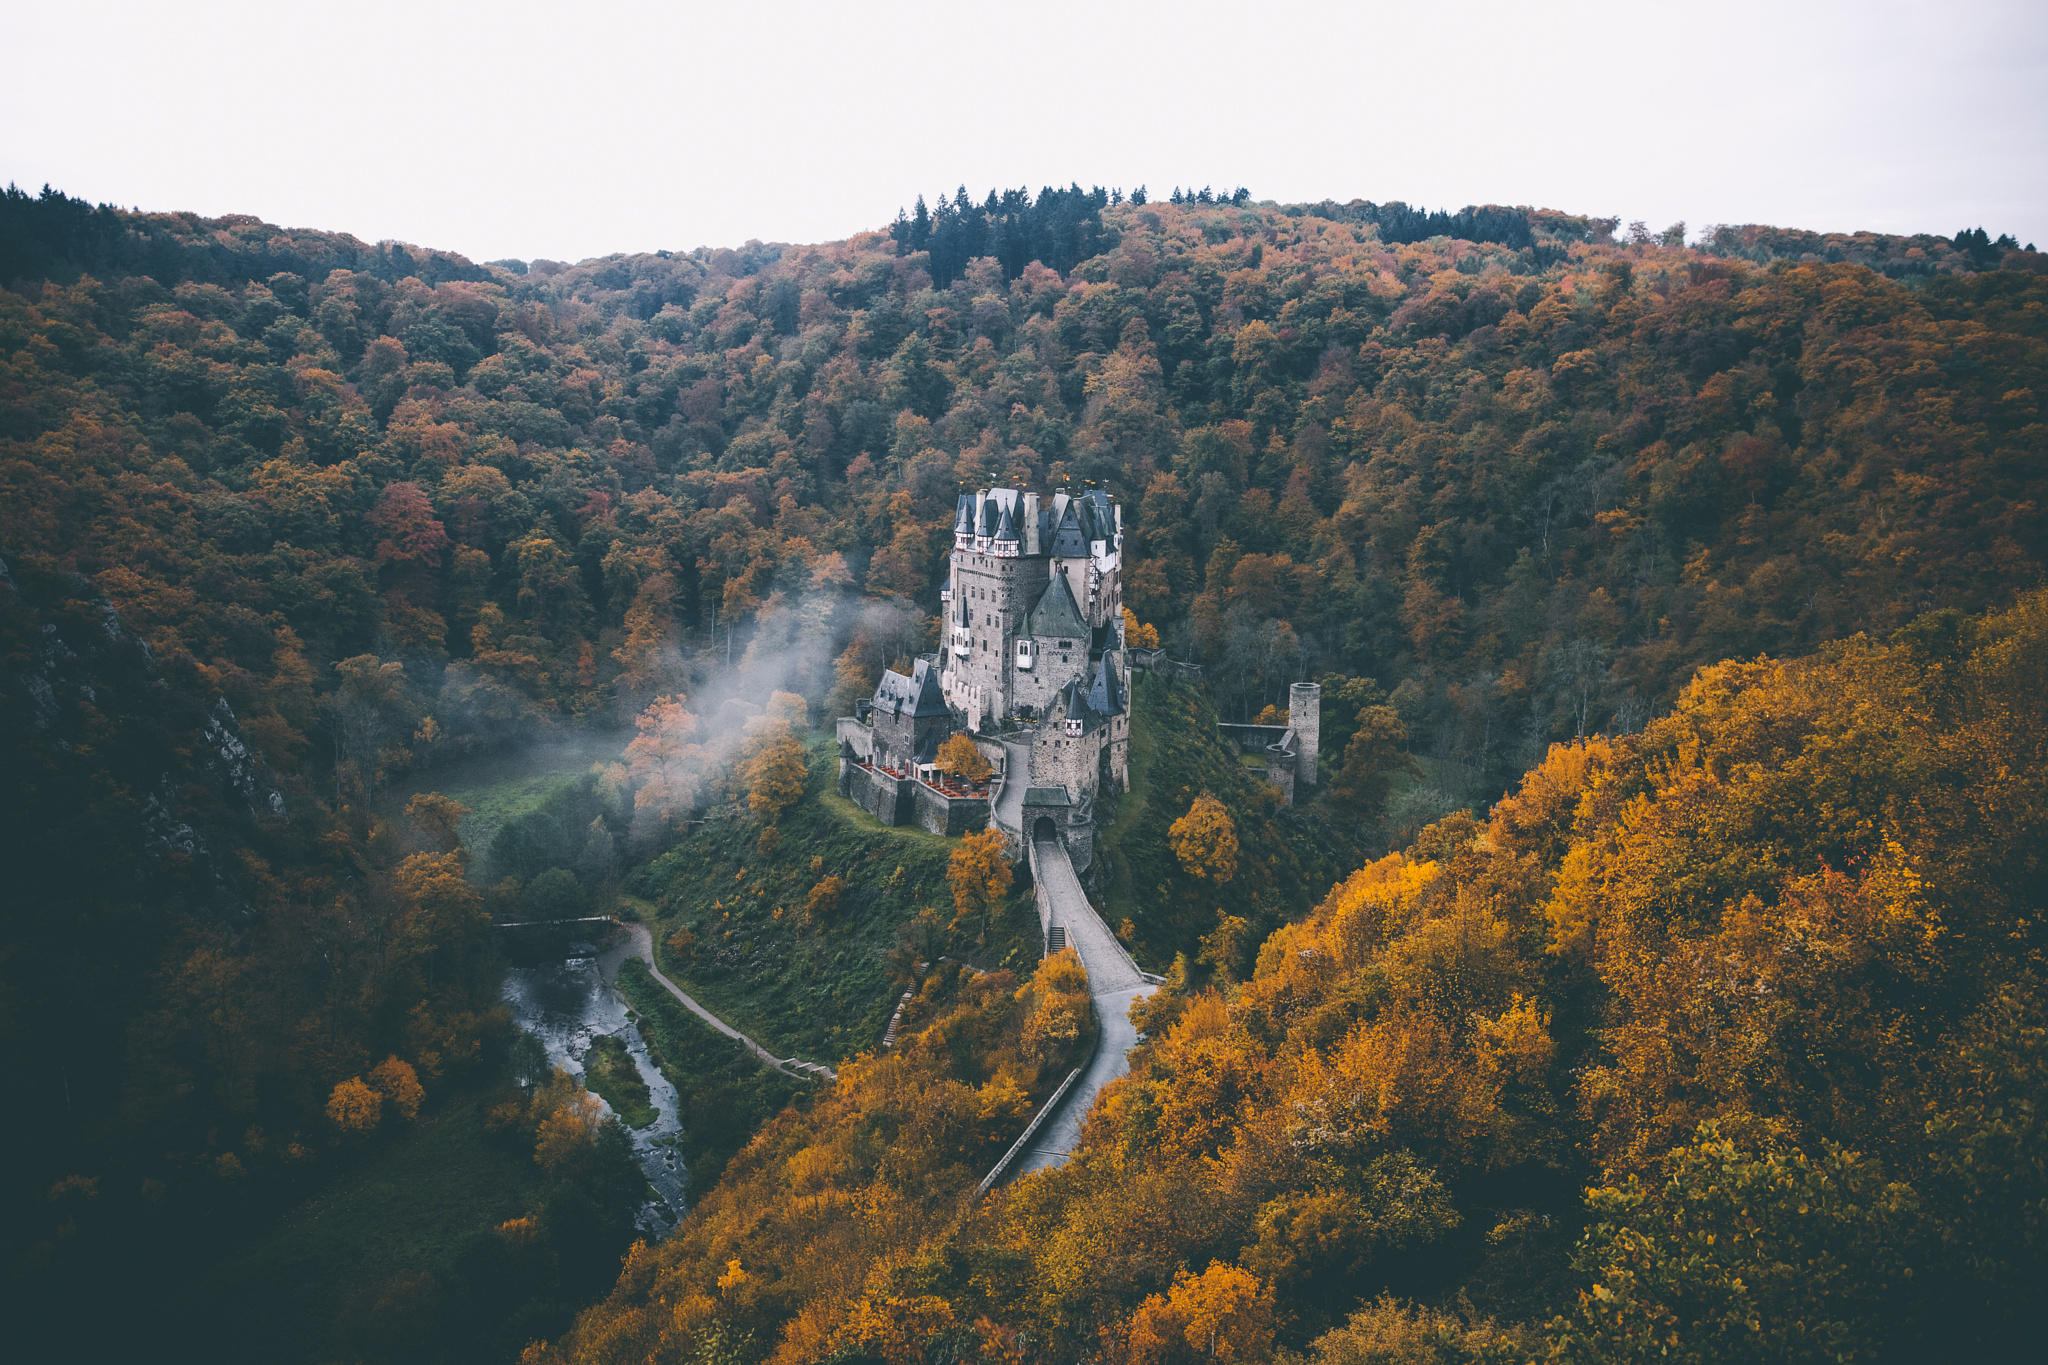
pixel 84 694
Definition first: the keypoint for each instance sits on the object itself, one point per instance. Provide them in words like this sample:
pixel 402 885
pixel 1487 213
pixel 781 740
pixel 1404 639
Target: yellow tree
pixel 570 1125
pixel 436 819
pixel 441 920
pixel 397 1082
pixel 825 896
pixel 960 757
pixel 1224 1313
pixel 1205 841
pixel 649 625
pixel 1138 635
pixel 788 708
pixel 979 874
pixel 773 772
pixel 354 1107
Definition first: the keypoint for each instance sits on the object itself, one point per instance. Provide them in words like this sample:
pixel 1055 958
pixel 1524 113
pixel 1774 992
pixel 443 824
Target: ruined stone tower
pixel 1305 717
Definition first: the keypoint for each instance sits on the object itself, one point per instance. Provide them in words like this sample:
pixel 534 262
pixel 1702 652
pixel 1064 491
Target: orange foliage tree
pixel 979 874
pixel 1205 841
pixel 960 756
pixel 399 1084
pixel 353 1107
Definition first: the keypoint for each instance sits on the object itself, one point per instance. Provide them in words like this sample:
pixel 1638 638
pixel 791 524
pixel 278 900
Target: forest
pixel 1659 969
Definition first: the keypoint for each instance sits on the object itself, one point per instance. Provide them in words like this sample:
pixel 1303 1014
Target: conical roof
pixel 1106 690
pixel 1057 615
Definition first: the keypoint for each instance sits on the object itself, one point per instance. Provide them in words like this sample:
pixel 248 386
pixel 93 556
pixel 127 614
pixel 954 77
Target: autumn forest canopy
pixel 1657 971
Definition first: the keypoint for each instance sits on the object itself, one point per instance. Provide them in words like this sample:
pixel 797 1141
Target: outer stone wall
pixel 1253 739
pixel 904 801
pixel 950 816
pixel 879 794
pixel 857 737
pixel 1279 745
pixel 1280 773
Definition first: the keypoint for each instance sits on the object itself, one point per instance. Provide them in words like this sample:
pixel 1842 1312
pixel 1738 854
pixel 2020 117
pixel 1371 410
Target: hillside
pixel 294 523
pixel 1763 981
pixel 1289 857
pixel 813 977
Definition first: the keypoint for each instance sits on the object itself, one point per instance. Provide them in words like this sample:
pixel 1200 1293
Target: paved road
pixel 1113 979
pixel 1016 779
pixel 643 948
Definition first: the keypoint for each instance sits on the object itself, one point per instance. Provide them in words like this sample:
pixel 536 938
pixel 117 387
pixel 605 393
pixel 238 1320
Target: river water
pixel 568 1004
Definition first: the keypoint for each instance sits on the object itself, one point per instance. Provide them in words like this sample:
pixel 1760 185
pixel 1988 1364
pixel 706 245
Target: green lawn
pixel 492 807
pixel 866 824
pixel 504 786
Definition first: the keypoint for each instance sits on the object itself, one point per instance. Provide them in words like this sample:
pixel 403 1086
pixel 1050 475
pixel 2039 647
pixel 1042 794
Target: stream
pixel 567 1004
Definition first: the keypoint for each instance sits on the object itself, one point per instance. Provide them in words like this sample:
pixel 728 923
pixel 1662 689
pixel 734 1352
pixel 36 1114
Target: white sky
pixel 538 129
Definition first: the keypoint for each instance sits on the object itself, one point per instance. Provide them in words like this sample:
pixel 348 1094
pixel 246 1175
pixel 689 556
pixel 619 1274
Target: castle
pixel 1032 664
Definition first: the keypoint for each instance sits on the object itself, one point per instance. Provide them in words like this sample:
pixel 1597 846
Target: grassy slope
pixel 726 1092
pixel 1288 859
pixel 820 991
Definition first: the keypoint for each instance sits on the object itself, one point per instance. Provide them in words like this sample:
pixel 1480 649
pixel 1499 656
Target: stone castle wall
pixel 886 798
pixel 1053 668
pixel 950 816
pixel 905 800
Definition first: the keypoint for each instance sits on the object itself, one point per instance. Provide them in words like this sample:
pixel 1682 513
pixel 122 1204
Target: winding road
pixel 1113 980
pixel 1009 808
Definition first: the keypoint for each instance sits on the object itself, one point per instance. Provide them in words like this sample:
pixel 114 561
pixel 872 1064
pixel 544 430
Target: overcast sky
pixel 566 131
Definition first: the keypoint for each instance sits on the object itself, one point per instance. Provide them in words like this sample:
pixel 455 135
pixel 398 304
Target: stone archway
pixel 1044 828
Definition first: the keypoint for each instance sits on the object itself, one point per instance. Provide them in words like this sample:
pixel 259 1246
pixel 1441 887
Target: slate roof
pixel 918 695
pixel 1006 525
pixel 1057 615
pixel 1093 700
pixel 1046 796
pixel 1072 702
pixel 1106 689
pixel 1068 542
pixel 963 517
pixel 1084 519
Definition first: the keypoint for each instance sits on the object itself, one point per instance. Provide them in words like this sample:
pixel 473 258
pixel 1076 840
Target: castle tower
pixel 1305 715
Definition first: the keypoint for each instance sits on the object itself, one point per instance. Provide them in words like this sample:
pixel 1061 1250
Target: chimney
pixel 1031 523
